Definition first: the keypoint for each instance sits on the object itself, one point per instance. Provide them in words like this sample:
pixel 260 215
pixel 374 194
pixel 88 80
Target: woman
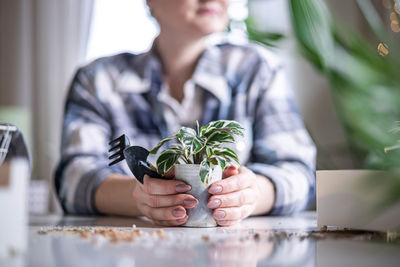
pixel 180 80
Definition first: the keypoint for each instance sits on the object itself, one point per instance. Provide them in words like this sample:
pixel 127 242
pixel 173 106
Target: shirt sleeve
pixel 84 160
pixel 283 150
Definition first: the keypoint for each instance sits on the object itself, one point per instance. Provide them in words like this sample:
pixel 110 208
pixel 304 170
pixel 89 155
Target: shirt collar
pixel 209 73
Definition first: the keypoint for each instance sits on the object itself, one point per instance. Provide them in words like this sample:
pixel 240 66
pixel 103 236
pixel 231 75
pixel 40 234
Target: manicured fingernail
pixel 215 203
pixel 182 220
pixel 190 202
pixel 180 188
pixel 219 214
pixel 215 189
pixel 178 212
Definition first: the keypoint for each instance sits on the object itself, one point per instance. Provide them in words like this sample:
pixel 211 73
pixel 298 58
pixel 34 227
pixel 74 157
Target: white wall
pixel 15 77
pixel 42 42
pixel 15 63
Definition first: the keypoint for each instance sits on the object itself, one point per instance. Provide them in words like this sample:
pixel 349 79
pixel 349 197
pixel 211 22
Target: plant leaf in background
pixel 266 38
pixel 312 24
pixel 366 86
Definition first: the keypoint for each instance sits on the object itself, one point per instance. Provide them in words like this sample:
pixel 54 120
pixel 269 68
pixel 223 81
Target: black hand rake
pixel 135 156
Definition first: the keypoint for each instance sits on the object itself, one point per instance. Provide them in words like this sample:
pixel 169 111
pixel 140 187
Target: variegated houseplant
pixel 199 156
pixel 202 146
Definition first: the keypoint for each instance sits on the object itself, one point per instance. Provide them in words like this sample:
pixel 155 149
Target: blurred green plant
pixel 365 82
pixel 271 39
pixel 366 85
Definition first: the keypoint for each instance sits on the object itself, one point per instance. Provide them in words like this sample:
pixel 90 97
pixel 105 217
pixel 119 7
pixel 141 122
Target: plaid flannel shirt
pixel 120 95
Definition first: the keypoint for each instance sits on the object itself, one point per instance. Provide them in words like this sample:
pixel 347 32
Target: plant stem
pixel 185 160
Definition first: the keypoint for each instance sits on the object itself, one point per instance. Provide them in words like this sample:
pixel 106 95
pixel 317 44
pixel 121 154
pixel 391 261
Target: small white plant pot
pixel 199 216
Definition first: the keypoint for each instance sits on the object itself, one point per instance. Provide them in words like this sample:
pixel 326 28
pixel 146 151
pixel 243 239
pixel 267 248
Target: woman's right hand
pixel 163 201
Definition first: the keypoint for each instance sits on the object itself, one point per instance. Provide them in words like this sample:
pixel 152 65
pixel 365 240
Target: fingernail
pixel 215 203
pixel 219 214
pixel 215 189
pixel 180 188
pixel 182 220
pixel 190 202
pixel 178 212
pixel 221 222
pixel 231 168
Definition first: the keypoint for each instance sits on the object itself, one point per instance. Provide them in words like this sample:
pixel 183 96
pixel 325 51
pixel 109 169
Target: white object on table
pixel 349 199
pixel 13 207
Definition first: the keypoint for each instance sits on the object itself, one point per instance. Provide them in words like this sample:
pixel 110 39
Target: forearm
pixel 266 197
pixel 115 196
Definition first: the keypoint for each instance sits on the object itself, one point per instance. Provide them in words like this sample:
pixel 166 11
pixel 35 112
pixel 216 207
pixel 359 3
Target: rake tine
pixel 115 161
pixel 113 156
pixel 114 148
pixel 122 140
pixel 117 147
pixel 115 141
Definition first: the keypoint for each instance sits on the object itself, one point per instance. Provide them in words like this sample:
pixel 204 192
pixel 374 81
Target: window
pixel 120 25
pixel 126 25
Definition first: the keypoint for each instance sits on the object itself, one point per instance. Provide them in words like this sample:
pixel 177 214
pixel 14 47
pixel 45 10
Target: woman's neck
pixel 179 58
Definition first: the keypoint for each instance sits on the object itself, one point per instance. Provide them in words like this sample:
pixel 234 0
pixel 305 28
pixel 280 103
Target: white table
pixel 232 246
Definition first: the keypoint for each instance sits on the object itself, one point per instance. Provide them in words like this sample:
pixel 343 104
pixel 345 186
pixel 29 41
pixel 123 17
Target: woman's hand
pixel 238 195
pixel 163 201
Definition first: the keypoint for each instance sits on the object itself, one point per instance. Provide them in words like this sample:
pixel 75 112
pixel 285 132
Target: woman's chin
pixel 207 29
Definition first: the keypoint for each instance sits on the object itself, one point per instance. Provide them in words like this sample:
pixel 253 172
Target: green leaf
pixel 222 125
pixel 365 85
pixel 227 153
pixel 266 38
pixel 198 128
pixel 161 143
pixel 219 160
pixel 177 146
pixel 193 144
pixel 167 159
pixel 312 24
pixel 209 151
pixel 205 171
pixel 217 138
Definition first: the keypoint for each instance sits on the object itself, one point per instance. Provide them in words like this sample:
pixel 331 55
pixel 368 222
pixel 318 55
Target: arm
pixel 86 132
pixel 279 178
pixel 87 185
pixel 123 203
pixel 283 150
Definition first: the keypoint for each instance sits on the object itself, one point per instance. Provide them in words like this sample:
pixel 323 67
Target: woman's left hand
pixel 235 196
